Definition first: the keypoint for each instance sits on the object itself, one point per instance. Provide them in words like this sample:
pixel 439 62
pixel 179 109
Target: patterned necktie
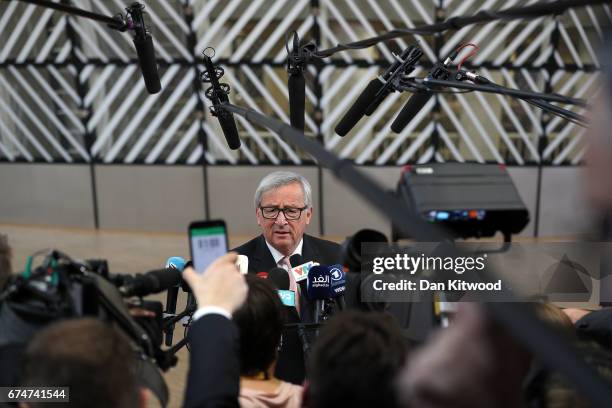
pixel 293 286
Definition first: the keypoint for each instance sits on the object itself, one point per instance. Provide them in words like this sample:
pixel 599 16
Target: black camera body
pixel 61 288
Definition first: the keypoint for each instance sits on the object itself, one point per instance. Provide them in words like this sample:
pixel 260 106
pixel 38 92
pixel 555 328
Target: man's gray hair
pixel 279 179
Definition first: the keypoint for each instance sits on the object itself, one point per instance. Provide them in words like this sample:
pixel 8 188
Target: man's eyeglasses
pixel 271 213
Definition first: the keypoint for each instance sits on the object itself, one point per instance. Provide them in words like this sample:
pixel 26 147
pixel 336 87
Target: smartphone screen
pixel 208 241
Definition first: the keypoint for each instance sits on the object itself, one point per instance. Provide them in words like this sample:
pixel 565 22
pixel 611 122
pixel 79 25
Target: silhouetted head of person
pixel 94 359
pixel 355 361
pixel 260 322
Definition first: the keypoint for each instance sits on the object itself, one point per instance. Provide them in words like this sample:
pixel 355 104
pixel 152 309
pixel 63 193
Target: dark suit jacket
pixel 313 249
pixel 290 365
pixel 214 363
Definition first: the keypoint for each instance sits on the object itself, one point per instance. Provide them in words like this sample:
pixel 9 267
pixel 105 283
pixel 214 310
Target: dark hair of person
pixel 91 357
pixel 5 261
pixel 554 316
pixel 355 361
pixel 260 322
pixel 550 389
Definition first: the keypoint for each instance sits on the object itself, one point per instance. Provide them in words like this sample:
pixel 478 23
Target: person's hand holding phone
pixel 221 284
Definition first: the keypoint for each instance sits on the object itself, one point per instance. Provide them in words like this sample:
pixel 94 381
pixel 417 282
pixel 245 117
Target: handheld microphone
pixel 338 284
pixel 326 283
pixel 318 289
pixel 296 84
pixel 287 297
pixel 177 263
pixel 242 263
pixel 151 282
pixel 337 280
pixel 280 278
pixel 300 272
pixel 418 100
pixel 217 93
pixel 378 89
pixel 144 48
pixel 296 259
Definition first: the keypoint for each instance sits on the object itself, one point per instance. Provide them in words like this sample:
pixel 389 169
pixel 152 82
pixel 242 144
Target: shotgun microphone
pixel 418 100
pixel 217 94
pixel 144 48
pixel 296 83
pixel 379 88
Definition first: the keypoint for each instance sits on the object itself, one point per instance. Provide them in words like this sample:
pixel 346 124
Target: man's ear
pixel 257 216
pixel 308 215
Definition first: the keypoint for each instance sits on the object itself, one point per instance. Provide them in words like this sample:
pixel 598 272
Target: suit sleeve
pixel 214 366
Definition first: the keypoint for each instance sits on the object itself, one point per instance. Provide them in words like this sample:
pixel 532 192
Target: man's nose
pixel 281 220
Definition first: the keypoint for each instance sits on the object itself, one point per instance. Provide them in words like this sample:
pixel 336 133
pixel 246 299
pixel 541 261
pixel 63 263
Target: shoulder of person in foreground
pixel 287 395
pixel 214 372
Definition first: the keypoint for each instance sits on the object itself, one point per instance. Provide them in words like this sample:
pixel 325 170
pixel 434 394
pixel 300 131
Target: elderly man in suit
pixel 283 207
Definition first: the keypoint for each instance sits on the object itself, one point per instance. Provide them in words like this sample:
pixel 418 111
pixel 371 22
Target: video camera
pixel 63 288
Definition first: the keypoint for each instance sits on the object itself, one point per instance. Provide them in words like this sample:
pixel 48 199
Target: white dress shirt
pixel 278 256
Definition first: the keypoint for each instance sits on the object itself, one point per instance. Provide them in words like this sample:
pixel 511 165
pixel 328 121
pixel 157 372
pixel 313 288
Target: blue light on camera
pixel 442 215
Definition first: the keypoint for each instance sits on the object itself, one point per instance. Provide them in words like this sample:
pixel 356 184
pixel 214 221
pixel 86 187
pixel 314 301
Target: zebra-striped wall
pixel 71 90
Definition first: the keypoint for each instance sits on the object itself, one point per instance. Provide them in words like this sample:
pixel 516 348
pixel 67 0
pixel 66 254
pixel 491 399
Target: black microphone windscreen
pixel 152 282
pixel 409 111
pixel 228 126
pixel 296 260
pixel 148 66
pixel 376 103
pixel 358 109
pixel 167 278
pixel 280 278
pixel 297 100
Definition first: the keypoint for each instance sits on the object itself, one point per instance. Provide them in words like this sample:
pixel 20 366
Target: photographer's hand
pixel 221 285
pixel 214 368
pixel 141 312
